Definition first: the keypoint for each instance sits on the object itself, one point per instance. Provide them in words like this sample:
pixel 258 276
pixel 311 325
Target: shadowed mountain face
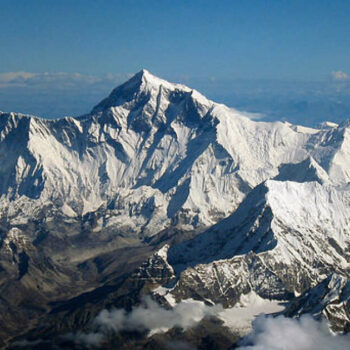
pixel 159 186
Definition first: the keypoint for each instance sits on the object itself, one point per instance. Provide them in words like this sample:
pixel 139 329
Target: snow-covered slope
pixel 154 155
pixel 284 238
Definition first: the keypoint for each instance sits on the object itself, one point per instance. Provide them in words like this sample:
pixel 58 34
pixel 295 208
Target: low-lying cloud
pixel 149 317
pixel 283 333
pixel 269 333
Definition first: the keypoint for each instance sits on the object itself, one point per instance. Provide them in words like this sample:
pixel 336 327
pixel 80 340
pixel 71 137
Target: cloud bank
pixel 283 333
pixel 57 79
pixel 55 94
pixel 269 333
pixel 59 94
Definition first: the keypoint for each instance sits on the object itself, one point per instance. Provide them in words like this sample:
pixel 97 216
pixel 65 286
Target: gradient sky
pixel 242 39
pixel 285 59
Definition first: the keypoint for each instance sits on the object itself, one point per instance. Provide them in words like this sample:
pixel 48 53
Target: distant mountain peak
pixel 142 78
pixel 150 80
pixel 142 84
pixel 148 77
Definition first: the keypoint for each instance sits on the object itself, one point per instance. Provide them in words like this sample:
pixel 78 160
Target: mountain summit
pixel 143 84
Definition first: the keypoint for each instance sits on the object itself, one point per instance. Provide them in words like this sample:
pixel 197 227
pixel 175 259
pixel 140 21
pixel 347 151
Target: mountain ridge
pixel 243 206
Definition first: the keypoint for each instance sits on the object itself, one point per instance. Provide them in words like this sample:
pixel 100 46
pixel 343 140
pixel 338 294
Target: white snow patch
pixel 239 318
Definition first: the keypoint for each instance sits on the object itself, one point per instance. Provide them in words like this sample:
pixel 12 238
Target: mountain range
pixel 161 193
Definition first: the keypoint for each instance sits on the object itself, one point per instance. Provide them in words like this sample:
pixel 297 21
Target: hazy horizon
pixel 302 102
pixel 287 60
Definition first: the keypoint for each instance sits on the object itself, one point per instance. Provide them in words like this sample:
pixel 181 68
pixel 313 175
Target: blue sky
pixel 266 39
pixel 187 41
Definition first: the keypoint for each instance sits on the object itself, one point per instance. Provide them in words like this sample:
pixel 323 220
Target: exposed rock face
pixel 330 298
pixel 273 245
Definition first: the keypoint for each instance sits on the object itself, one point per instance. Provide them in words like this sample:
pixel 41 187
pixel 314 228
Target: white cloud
pixel 14 78
pixel 56 80
pixel 282 333
pixel 339 75
pixel 149 317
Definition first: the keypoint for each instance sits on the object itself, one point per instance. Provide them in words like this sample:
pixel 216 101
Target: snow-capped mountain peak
pixel 151 141
pixel 143 86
